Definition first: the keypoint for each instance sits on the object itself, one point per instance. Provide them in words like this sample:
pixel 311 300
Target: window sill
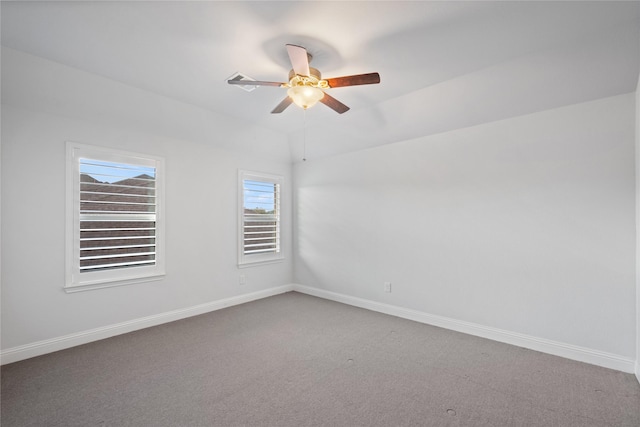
pixel 247 264
pixel 111 284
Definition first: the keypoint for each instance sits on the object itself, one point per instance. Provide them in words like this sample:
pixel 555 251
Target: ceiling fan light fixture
pixel 305 96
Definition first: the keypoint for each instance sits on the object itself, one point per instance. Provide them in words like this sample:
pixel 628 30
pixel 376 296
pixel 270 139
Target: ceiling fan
pixel 306 84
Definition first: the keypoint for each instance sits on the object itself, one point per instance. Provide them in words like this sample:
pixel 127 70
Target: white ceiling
pixel 443 65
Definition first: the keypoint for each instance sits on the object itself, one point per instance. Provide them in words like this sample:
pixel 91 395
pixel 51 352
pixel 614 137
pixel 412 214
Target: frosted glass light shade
pixel 305 96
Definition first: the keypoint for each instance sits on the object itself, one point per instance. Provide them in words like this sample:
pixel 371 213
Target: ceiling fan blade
pixel 255 83
pixel 281 107
pixel 299 59
pixel 334 104
pixel 359 79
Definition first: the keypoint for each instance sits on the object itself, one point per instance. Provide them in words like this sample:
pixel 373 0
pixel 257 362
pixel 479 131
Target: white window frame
pixel 76 281
pixel 247 260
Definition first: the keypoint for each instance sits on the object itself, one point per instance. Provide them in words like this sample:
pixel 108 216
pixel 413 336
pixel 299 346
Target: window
pixel 259 208
pixel 115 218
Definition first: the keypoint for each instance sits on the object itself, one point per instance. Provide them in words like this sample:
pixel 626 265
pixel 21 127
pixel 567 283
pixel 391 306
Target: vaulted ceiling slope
pixel 443 65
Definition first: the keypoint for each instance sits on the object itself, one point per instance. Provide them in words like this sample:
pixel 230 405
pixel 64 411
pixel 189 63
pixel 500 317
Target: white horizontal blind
pixel 261 217
pixel 118 209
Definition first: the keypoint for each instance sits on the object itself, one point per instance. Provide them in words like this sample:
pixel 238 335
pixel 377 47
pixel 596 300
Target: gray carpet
pixel 296 360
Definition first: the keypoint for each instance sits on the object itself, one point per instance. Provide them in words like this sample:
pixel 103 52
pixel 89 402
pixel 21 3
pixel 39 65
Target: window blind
pixel 261 217
pixel 117 215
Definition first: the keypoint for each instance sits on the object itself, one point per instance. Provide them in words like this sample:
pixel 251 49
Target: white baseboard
pixel 569 351
pixel 39 348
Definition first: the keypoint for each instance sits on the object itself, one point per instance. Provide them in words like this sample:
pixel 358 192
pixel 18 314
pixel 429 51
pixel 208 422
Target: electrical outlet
pixel 387 286
pixel 242 279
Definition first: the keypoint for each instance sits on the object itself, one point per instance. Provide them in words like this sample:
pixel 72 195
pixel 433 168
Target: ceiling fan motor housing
pixel 314 79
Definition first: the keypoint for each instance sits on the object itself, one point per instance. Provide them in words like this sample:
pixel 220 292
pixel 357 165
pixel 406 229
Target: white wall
pixel 46 104
pixel 523 225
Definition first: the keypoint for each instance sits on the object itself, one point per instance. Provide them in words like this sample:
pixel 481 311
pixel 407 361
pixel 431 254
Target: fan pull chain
pixel 304 135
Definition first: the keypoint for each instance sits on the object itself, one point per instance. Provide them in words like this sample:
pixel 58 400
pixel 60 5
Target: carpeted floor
pixel 296 360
